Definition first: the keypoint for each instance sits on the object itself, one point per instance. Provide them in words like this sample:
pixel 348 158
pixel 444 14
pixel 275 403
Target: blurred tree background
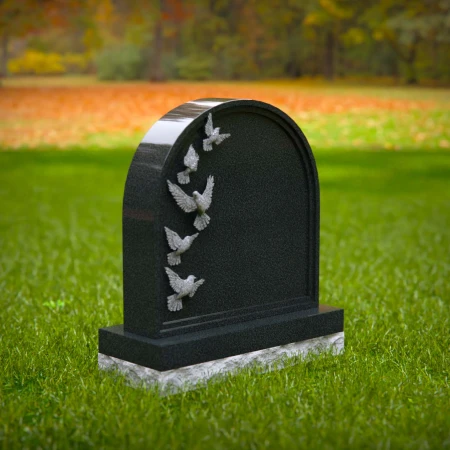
pixel 408 40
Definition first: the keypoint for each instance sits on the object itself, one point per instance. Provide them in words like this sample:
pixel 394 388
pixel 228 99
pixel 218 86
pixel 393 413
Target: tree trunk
pixel 411 77
pixel 409 60
pixel 411 64
pixel 329 56
pixel 4 56
pixel 156 69
pixel 435 59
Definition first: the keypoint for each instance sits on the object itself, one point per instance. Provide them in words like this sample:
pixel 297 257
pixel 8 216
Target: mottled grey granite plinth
pixel 190 377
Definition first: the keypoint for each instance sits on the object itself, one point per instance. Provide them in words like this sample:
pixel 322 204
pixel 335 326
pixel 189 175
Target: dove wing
pixel 207 193
pixel 191 158
pixel 222 137
pixel 196 285
pixel 209 126
pixel 173 239
pixel 175 281
pixel 186 203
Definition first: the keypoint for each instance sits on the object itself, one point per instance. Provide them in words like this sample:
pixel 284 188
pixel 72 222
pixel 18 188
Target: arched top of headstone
pixel 258 254
pixel 178 124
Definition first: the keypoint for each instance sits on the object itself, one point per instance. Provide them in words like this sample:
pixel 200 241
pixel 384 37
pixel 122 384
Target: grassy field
pixel 385 241
pixel 384 171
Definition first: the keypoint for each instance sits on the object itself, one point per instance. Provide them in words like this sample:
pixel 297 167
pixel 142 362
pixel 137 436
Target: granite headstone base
pixel 189 348
pixel 190 358
pixel 195 376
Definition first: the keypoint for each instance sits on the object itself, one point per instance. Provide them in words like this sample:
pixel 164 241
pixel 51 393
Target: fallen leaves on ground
pixel 64 116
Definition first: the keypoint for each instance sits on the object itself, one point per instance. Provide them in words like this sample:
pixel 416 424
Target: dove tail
pixel 173 259
pixel 201 221
pixel 173 304
pixel 207 145
pixel 183 177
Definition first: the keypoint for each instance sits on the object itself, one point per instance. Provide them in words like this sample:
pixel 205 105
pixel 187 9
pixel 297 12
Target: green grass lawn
pixel 385 246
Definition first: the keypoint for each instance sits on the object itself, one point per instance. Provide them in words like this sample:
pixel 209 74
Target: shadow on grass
pixel 381 172
pixel 347 171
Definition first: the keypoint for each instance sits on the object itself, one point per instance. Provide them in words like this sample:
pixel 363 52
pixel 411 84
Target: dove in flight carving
pixel 178 245
pixel 191 163
pixel 213 135
pixel 182 288
pixel 199 202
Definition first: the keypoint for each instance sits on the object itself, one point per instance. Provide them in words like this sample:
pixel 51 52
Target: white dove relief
pixel 182 288
pixel 178 245
pixel 213 135
pixel 199 202
pixel 191 163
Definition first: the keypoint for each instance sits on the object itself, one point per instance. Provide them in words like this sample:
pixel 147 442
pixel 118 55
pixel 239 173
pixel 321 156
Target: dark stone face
pixel 259 253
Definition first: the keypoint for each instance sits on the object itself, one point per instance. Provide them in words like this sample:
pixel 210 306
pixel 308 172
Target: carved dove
pixel 179 245
pixel 199 202
pixel 213 135
pixel 182 288
pixel 191 163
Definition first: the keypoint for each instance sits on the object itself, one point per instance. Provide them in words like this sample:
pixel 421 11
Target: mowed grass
pixel 385 245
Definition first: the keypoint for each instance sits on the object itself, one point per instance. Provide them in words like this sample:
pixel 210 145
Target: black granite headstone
pixel 258 256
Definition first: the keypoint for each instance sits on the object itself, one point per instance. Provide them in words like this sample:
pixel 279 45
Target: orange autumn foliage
pixel 62 116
